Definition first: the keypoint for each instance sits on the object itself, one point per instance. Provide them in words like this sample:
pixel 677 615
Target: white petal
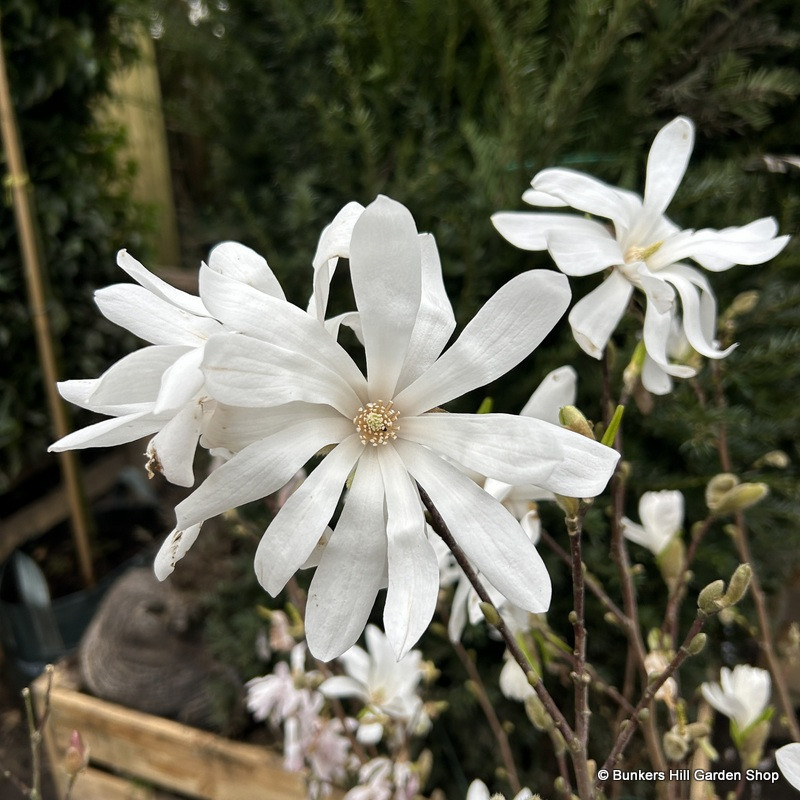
pixel 242 371
pixel 435 319
pixel 788 758
pixel 719 700
pixel 79 392
pixel 357 664
pixel 458 610
pixel 637 534
pixel 343 686
pixel 174 548
pixel 506 447
pixel 558 389
pixel 530 230
pixel 666 165
pixel 260 469
pixel 726 248
pixel 534 198
pixel 514 682
pixel 662 512
pixel 654 379
pixel 413 570
pixel 245 265
pixel 234 428
pixel 594 318
pixel 109 432
pixel 176 297
pixel 490 537
pixel 350 573
pixel 151 318
pixel 136 378
pixel 334 243
pixel 349 319
pixel 477 791
pixel 180 382
pixel 509 326
pixel 584 253
pixel 584 193
pixel 656 334
pixel 174 445
pixel 385 268
pixel 297 528
pixel 247 310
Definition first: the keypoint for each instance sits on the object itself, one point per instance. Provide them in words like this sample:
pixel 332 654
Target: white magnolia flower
pixel 386 686
pixel 479 791
pixel 643 248
pixel 788 758
pixel 384 779
pixel 741 694
pixel 301 392
pixel 661 514
pixel 280 695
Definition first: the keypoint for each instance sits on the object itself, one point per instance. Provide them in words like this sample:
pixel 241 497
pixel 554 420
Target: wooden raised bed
pixel 136 756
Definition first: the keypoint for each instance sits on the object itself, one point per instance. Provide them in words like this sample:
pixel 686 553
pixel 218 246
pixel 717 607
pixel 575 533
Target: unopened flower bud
pixel 751 745
pixel 742 496
pixel 76 758
pixel 775 458
pixel 675 746
pixel 572 419
pixel 718 487
pixel 743 303
pixel 670 561
pixel 709 597
pixel 697 644
pixel 737 587
pixel 490 612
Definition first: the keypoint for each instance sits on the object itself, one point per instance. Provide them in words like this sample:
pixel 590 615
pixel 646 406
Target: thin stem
pixel 632 722
pixel 573 743
pixel 757 593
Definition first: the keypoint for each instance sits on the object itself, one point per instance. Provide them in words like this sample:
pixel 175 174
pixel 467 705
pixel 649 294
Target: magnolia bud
pixel 675 746
pixel 670 561
pixel 751 745
pixel 718 487
pixel 743 303
pixel 740 497
pixel 490 612
pixel 737 587
pixel 697 644
pixel 572 419
pixel 76 758
pixel 709 597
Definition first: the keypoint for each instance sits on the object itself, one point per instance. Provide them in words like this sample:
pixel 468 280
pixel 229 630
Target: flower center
pixel 633 254
pixel 376 423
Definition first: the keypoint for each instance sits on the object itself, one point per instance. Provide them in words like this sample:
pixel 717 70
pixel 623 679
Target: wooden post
pixel 19 185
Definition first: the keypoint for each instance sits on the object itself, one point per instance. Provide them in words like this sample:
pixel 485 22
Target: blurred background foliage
pixel 279 113
pixel 59 60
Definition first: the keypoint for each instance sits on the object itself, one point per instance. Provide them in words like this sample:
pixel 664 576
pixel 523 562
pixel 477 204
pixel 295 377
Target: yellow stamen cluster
pixel 376 423
pixel 634 254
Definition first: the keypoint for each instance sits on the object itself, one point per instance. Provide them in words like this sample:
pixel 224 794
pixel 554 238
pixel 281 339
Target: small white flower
pixel 514 683
pixel 280 695
pixel 290 390
pixel 386 686
pixel 643 248
pixel 661 514
pixel 788 758
pixel 479 791
pixel 741 694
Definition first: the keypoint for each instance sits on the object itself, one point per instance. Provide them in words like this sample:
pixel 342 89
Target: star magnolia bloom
pixel 301 392
pixel 643 249
pixel 661 514
pixel 788 758
pixel 159 389
pixel 386 686
pixel 479 791
pixel 741 694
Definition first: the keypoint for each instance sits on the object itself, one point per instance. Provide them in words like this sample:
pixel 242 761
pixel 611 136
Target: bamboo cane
pixel 18 183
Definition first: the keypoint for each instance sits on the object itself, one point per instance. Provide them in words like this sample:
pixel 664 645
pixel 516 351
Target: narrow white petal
pixel 109 432
pixel 260 469
pixel 558 389
pixel 435 319
pixel 584 193
pixel 584 253
pixel 529 230
pixel 174 445
pixel 174 548
pixel 510 325
pixel 180 382
pixel 385 268
pixel 654 379
pixel 666 164
pixel 534 198
pixel 594 317
pixel 246 310
pixel 242 371
pixel 585 466
pixel 245 265
pixel 176 297
pixel 506 447
pixel 458 610
pixel 136 378
pixel 656 333
pixel 413 569
pixel 356 663
pixel 152 318
pixel 351 571
pixel 639 535
pixel 728 249
pixel 350 319
pixel 662 512
pixel 234 428
pixel 334 243
pixel 490 537
pixel 788 758
pixel 343 686
pixel 294 533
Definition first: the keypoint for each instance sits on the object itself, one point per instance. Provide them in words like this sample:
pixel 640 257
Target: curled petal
pixel 594 317
pixel 174 548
